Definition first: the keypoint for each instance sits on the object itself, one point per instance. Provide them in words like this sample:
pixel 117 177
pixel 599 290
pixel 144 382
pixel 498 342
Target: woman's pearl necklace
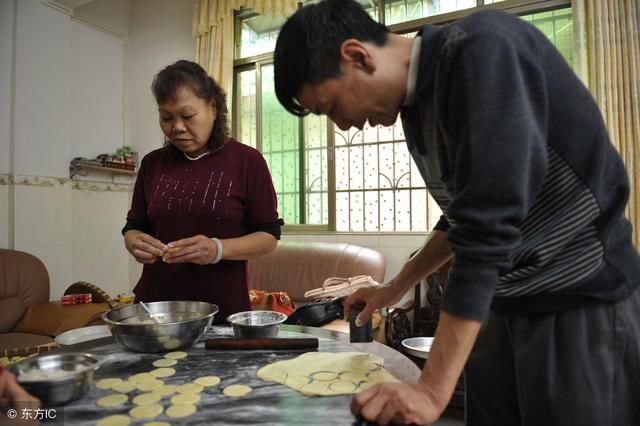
pixel 196 157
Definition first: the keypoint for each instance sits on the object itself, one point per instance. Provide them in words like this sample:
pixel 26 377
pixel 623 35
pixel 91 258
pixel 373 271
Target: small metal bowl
pixel 418 346
pixel 182 324
pixel 256 324
pixel 56 378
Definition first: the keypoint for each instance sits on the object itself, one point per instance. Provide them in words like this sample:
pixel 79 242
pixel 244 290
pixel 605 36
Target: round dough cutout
pixel 175 355
pixel 146 411
pixel 147 398
pixel 185 399
pixel 182 410
pixel 164 362
pixel 108 383
pixel 163 372
pixel 189 388
pixel 237 390
pixel 114 400
pixel 115 420
pixel 207 381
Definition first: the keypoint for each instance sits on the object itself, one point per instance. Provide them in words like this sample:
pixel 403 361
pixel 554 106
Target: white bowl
pixel 418 346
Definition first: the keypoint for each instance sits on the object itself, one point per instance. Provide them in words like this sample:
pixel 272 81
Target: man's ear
pixel 357 53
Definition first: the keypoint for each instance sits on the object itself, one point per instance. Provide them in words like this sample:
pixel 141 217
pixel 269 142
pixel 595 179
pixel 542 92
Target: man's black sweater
pixel 514 149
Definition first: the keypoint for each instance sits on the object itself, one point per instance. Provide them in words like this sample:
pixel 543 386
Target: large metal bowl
pixel 182 323
pixel 256 324
pixel 56 378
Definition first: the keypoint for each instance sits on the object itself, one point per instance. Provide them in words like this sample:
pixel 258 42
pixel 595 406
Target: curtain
pixel 213 30
pixel 607 56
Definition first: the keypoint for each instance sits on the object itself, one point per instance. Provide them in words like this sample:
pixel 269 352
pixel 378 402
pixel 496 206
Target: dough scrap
pixel 175 355
pixel 112 400
pixel 147 398
pixel 146 411
pixel 163 372
pixel 182 410
pixel 327 374
pixel 185 398
pixel 108 383
pixel 236 390
pixel 115 420
pixel 164 362
pixel 154 423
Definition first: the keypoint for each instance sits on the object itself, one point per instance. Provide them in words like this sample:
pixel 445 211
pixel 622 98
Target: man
pixel 514 150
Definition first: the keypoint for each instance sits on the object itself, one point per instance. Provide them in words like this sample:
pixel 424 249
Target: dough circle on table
pixel 149 385
pixel 236 390
pixel 147 398
pixel 124 387
pixel 189 388
pixel 165 390
pixel 185 399
pixel 162 372
pixel 146 411
pixel 207 381
pixel 108 383
pixel 154 423
pixel 164 362
pixel 115 420
pixel 175 355
pixel 112 400
pixel 141 377
pixel 182 410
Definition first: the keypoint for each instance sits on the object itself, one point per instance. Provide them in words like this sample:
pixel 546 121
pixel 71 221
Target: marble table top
pixel 268 403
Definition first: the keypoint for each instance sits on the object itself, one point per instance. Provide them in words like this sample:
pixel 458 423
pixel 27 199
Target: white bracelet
pixel 219 253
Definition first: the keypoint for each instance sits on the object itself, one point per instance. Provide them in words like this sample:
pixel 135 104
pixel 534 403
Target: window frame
pixel 516 7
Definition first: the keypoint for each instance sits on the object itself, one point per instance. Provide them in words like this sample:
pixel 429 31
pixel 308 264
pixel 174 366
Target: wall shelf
pixel 83 169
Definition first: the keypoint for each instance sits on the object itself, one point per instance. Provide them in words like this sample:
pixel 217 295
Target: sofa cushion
pixel 52 318
pixel 11 309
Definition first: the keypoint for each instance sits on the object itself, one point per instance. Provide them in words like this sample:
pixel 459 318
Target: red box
pixel 76 299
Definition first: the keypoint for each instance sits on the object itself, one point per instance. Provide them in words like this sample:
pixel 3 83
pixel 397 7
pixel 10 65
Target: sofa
pixel 296 267
pixel 29 321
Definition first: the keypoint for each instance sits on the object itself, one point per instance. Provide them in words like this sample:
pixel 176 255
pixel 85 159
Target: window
pixel 354 180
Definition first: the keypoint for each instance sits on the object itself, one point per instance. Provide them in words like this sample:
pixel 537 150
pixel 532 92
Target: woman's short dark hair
pixel 189 74
pixel 308 46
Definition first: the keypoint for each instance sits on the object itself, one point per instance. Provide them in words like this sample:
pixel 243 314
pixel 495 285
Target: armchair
pixel 29 322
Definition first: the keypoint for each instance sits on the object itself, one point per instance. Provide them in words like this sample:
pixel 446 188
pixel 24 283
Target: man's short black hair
pixel 308 46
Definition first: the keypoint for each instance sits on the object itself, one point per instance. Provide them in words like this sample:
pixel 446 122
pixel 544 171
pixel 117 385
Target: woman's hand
pixel 397 403
pixel 143 247
pixel 199 249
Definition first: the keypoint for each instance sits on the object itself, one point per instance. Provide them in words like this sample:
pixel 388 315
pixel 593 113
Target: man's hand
pixel 199 249
pixel 369 299
pixel 397 403
pixel 143 247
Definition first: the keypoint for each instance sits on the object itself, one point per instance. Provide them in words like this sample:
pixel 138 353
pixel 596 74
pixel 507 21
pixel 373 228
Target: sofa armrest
pixel 52 318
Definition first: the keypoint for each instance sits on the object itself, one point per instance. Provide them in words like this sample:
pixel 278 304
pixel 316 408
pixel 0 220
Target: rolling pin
pixel 261 343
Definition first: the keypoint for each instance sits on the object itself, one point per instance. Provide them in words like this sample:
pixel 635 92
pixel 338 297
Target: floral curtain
pixel 608 60
pixel 213 30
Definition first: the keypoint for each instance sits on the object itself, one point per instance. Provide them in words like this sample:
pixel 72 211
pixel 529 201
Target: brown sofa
pixel 296 267
pixel 29 322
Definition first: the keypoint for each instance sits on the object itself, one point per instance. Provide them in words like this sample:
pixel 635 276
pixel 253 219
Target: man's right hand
pixel 368 300
pixel 143 247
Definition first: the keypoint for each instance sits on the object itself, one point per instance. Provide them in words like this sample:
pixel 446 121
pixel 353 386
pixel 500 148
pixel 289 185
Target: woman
pixel 203 204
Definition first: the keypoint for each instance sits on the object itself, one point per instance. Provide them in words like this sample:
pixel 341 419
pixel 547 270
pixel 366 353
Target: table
pixel 268 403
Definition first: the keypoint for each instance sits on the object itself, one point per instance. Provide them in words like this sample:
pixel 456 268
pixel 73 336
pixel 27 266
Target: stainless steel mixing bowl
pixel 56 378
pixel 182 323
pixel 256 324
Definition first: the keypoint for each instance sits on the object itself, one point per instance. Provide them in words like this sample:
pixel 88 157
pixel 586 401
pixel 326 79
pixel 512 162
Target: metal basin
pixel 182 324
pixel 418 346
pixel 256 324
pixel 56 378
